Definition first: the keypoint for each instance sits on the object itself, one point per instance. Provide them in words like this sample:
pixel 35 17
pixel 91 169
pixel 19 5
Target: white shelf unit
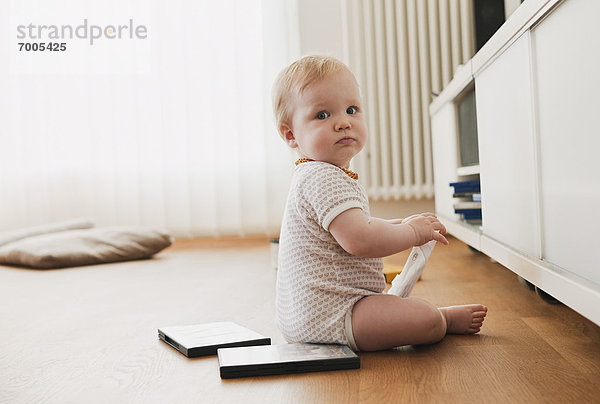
pixel 536 96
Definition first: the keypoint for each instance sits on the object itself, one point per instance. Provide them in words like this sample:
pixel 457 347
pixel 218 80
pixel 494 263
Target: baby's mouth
pixel 345 140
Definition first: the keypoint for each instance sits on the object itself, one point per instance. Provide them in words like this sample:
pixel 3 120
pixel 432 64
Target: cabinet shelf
pixel 468 170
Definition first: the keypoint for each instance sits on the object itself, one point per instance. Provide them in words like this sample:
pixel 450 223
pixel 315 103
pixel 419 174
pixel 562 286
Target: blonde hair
pixel 296 77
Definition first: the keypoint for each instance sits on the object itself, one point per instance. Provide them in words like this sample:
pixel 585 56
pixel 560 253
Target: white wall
pixel 321 27
pixel 510 6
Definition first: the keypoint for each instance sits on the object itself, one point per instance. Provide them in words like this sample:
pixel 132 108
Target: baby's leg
pixel 386 321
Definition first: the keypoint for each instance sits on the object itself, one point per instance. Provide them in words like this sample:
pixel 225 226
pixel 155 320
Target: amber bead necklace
pixel 350 173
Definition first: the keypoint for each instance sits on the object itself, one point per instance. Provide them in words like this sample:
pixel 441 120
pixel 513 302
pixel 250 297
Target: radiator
pixel 402 52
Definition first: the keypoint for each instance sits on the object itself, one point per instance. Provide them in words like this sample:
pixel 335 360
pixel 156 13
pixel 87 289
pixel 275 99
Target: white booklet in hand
pixel 404 282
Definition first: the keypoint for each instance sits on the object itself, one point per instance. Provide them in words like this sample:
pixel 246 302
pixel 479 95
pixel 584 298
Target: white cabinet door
pixel 506 150
pixel 443 139
pixel 567 60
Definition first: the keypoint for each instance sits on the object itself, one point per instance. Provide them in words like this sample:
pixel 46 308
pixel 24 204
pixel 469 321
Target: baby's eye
pixel 351 110
pixel 322 115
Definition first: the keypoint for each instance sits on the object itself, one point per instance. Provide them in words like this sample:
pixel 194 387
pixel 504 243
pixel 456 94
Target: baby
pixel 330 282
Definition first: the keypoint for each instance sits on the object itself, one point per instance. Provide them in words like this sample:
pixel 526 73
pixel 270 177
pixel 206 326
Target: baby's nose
pixel 342 124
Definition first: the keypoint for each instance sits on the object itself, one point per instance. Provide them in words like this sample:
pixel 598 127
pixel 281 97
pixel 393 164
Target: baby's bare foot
pixel 465 319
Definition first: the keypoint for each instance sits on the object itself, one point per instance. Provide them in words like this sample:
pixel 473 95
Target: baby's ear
pixel 288 136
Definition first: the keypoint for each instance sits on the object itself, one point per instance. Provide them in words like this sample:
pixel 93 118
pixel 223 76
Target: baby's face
pixel 328 121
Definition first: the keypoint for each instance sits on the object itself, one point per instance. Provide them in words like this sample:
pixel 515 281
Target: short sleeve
pixel 326 191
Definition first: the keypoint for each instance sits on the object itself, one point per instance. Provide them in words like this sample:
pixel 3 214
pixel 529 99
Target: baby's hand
pixel 427 227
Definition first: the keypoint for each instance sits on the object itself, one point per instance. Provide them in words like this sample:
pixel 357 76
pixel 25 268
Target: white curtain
pixel 174 130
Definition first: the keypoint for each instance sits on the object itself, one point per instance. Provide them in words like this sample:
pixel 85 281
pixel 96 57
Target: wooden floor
pixel 90 335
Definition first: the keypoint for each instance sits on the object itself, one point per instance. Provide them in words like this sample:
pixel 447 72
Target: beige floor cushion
pixel 84 247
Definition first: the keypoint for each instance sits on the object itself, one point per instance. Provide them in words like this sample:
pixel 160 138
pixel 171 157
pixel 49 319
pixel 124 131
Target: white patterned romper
pixel 318 282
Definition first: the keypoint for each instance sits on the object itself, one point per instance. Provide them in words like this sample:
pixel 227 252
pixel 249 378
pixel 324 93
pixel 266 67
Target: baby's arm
pixel 400 220
pixel 368 237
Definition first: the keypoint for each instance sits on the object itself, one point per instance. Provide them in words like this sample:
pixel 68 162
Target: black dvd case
pixel 205 339
pixel 284 359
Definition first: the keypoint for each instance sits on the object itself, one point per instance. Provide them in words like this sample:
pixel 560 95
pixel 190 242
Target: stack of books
pixel 243 352
pixel 467 203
